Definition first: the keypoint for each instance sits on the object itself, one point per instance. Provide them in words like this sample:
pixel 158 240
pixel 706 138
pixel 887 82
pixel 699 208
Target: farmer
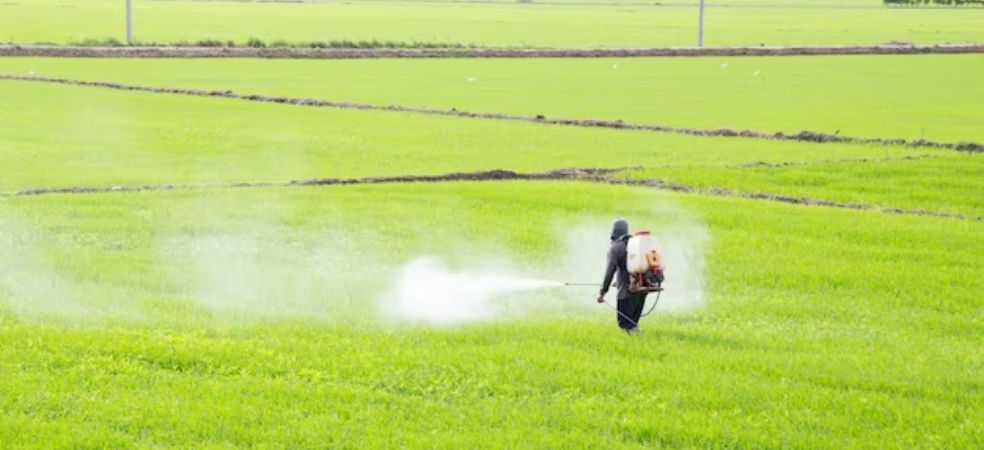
pixel 630 304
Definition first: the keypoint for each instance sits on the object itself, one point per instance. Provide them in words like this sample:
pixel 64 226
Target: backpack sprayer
pixel 644 262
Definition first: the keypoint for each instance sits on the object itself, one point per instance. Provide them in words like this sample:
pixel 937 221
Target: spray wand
pixel 651 308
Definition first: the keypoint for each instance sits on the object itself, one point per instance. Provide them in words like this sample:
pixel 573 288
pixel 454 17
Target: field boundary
pixel 802 136
pixel 789 199
pixel 476 52
pixel 826 162
pixel 486 175
pixel 594 175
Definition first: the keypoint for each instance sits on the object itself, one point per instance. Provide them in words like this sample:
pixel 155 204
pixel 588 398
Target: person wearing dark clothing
pixel 630 304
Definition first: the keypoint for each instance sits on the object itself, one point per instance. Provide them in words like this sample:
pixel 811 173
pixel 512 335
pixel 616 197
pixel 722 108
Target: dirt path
pixel 595 175
pixel 802 136
pixel 315 53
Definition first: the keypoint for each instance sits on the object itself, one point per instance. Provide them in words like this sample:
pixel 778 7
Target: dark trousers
pixel 630 309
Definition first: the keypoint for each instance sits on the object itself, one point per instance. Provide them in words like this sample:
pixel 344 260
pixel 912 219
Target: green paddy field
pixel 914 96
pixel 622 23
pixel 819 295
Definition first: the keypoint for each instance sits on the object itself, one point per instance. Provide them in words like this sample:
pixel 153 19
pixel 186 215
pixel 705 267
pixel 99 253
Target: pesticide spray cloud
pixel 683 253
pixel 236 267
pixel 29 287
pixel 263 274
pixel 239 275
pixel 35 285
pixel 428 292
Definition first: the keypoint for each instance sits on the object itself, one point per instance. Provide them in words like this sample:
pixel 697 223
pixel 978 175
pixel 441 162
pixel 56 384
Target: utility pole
pixel 129 22
pixel 700 25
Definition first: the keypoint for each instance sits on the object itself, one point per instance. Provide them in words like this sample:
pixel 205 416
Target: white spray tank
pixel 643 253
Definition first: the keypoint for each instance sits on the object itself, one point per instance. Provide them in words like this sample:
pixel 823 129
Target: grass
pixel 126 138
pixel 562 24
pixel 819 330
pixel 946 182
pixel 911 97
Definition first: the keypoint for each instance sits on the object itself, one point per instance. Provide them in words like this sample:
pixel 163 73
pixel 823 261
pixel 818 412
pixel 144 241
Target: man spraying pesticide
pixel 636 264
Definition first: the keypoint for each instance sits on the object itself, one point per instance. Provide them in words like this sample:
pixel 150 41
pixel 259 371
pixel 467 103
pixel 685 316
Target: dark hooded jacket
pixel 616 260
pixel 616 266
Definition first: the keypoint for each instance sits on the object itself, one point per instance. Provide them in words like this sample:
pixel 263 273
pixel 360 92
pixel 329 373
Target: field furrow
pixel 916 97
pixel 610 176
pixel 823 162
pixel 796 200
pixel 803 136
pixel 945 184
pixel 62 136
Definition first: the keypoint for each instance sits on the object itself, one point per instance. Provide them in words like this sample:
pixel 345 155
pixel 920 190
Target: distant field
pixel 929 96
pixel 115 137
pixel 507 23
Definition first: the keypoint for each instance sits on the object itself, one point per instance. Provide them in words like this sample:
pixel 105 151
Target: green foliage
pixel 211 43
pixel 95 42
pixel 348 43
pixel 255 43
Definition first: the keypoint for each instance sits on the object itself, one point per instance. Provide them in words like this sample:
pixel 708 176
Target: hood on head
pixel 619 228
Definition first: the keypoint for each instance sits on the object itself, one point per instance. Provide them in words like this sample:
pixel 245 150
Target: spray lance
pixel 609 305
pixel 657 289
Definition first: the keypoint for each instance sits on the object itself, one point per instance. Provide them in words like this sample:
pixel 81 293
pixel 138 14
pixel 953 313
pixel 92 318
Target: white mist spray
pixel 683 250
pixel 29 286
pixel 261 275
pixel 238 271
pixel 428 292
